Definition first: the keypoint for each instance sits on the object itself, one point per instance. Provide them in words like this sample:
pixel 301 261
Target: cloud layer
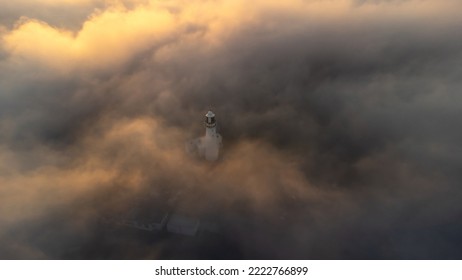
pixel 339 122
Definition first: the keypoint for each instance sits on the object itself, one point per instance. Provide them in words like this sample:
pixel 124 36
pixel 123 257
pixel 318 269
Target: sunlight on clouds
pixel 34 40
pixel 115 34
pixel 34 191
pixel 105 39
pixel 31 194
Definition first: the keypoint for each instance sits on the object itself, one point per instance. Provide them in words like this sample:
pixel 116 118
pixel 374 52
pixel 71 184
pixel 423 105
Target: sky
pixel 340 122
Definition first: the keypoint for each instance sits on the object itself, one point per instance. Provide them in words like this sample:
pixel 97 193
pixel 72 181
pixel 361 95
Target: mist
pixel 339 122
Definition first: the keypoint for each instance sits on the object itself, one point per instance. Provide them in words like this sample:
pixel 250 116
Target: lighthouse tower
pixel 210 124
pixel 211 142
pixel 209 145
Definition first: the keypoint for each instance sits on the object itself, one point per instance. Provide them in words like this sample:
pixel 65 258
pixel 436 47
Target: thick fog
pixel 340 122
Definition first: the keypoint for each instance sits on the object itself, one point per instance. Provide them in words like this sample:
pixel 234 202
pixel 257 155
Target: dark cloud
pixel 340 132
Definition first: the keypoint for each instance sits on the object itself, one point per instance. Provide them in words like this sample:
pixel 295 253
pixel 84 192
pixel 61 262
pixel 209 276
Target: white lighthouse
pixel 209 145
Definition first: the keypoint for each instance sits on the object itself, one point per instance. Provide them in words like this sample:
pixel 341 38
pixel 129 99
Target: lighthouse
pixel 212 140
pixel 209 145
pixel 210 124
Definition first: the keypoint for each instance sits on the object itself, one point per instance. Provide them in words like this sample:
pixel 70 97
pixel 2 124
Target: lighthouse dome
pixel 210 119
pixel 210 114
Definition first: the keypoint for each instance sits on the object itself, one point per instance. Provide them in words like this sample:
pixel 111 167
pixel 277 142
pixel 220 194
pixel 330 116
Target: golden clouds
pixel 38 42
pixel 112 36
pixel 104 40
pixel 123 153
pixel 107 38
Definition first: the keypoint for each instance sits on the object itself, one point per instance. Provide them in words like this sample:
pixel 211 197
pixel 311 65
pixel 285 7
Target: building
pixel 208 146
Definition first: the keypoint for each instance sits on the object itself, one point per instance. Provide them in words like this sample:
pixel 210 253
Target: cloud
pixel 338 121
